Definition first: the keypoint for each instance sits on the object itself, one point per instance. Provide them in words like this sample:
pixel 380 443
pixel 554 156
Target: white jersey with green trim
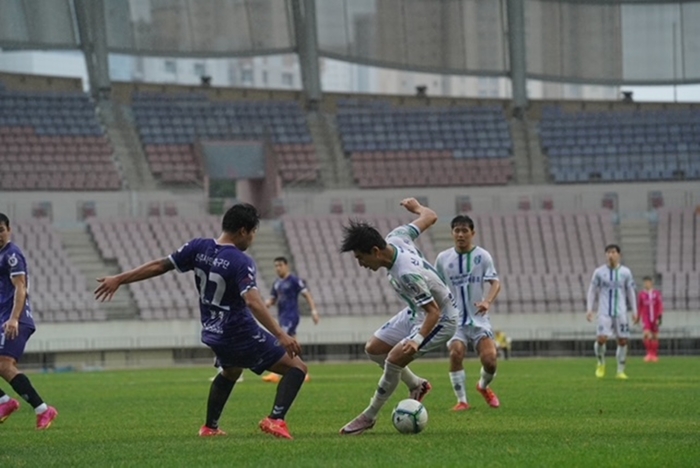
pixel 614 288
pixel 414 278
pixel 466 273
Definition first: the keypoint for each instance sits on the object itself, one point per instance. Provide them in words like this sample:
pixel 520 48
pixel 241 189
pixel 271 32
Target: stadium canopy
pixel 610 42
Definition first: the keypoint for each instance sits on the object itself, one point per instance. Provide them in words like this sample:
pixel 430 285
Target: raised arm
pixel 109 284
pixel 426 216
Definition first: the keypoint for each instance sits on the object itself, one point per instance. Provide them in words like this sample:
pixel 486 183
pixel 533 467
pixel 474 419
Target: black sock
pixel 287 391
pixel 23 387
pixel 2 394
pixel 218 396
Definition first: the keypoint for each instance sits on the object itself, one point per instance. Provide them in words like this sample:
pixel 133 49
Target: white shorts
pixel 402 325
pixel 618 327
pixel 473 333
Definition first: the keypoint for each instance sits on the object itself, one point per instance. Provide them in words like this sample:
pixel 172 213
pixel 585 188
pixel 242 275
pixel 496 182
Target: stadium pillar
pixel 516 49
pixel 307 46
pixel 93 42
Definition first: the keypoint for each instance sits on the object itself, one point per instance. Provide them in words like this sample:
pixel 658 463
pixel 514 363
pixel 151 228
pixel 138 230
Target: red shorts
pixel 651 326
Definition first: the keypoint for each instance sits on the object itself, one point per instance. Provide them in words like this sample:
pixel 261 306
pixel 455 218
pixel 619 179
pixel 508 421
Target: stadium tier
pixel 57 289
pixel 170 124
pixel 401 147
pixel 678 258
pixel 53 141
pixel 621 146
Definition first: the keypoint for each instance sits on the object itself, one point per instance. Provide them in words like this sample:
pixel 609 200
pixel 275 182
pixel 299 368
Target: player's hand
pixel 411 204
pixel 589 315
pixel 482 307
pixel 11 328
pixel 290 344
pixel 315 317
pixel 108 286
pixel 409 347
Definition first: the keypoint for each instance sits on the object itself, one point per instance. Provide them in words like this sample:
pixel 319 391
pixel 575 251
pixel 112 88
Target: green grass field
pixel 553 413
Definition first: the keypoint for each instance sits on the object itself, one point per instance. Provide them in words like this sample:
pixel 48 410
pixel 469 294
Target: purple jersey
pixel 12 263
pixel 222 275
pixel 286 292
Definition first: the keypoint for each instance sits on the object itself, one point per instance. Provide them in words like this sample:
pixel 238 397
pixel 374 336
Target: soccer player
pixel 285 293
pixel 17 327
pixel 613 286
pixel 466 267
pixel 650 307
pixel 425 325
pixel 229 304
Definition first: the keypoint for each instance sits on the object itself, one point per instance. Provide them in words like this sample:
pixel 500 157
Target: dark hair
pixel 241 216
pixel 647 278
pixel 4 219
pixel 361 236
pixel 462 219
pixel 281 260
pixel 613 246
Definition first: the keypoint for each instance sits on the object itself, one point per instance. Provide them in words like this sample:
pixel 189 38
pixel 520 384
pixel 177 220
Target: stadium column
pixel 516 49
pixel 93 42
pixel 304 12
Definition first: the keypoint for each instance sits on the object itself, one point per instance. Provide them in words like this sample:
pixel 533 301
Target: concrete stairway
pixel 637 247
pixel 521 156
pixel 270 242
pixel 539 169
pixel 83 252
pixel 335 168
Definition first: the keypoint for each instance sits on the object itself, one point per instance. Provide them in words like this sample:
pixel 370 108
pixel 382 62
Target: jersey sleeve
pixel 183 258
pixel 417 288
pixel 490 272
pixel 407 232
pixel 244 275
pixel 17 264
pixel 301 285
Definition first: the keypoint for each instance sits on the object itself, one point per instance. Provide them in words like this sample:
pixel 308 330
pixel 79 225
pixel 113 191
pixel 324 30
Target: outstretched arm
pixel 426 216
pixel 109 284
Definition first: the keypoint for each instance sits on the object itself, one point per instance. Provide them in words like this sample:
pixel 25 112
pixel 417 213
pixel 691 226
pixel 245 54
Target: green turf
pixel 553 413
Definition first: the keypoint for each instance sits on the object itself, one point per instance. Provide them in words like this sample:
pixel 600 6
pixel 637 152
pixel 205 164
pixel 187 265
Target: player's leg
pixel 622 331
pixel 655 343
pixel 293 372
pixel 647 340
pixel 289 326
pixel 458 377
pixel 486 348
pixel 599 347
pixel 219 393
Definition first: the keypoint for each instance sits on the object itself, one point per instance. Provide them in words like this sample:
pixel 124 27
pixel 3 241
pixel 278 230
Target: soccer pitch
pixel 554 412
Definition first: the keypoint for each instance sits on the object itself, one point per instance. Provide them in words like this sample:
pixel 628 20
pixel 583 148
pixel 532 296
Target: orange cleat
pixel 461 406
pixel 276 427
pixel 489 396
pixel 272 378
pixel 205 431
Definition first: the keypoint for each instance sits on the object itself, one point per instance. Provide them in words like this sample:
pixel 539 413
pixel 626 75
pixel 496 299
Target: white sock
pixel 41 408
pixel 459 385
pixel 407 376
pixel 4 399
pixel 599 352
pixel 621 354
pixel 387 385
pixel 486 378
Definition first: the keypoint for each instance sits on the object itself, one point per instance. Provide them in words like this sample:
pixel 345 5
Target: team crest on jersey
pixel 12 260
pixel 477 259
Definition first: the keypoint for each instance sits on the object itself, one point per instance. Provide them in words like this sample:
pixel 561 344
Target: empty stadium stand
pixel 170 124
pixel 53 141
pixel 431 146
pixel 621 145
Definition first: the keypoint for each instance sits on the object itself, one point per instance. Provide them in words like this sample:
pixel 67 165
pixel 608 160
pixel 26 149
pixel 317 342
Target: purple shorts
pixel 258 353
pixel 289 325
pixel 15 348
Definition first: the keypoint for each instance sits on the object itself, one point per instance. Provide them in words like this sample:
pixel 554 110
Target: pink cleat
pixel 489 396
pixel 421 391
pixel 358 425
pixel 648 357
pixel 654 358
pixel 44 420
pixel 461 406
pixel 276 427
pixel 6 409
pixel 206 431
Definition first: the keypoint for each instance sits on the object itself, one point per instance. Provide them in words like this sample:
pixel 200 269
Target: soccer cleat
pixel 272 377
pixel 489 396
pixel 648 358
pixel 206 431
pixel 307 378
pixel 461 406
pixel 6 409
pixel 44 420
pixel 276 427
pixel 358 425
pixel 621 376
pixel 600 371
pixel 421 391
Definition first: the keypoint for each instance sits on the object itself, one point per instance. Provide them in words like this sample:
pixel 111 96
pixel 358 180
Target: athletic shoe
pixel 358 425
pixel 272 378
pixel 44 420
pixel 205 431
pixel 7 408
pixel 461 406
pixel 421 391
pixel 621 376
pixel 489 396
pixel 600 371
pixel 648 357
pixel 276 427
pixel 307 378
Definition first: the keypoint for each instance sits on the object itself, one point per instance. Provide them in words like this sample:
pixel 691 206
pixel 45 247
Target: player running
pixel 466 267
pixel 613 286
pixel 229 304
pixel 285 294
pixel 17 327
pixel 651 307
pixel 425 325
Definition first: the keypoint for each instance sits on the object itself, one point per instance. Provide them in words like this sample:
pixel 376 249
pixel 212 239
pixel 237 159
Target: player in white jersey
pixel 466 267
pixel 425 325
pixel 613 285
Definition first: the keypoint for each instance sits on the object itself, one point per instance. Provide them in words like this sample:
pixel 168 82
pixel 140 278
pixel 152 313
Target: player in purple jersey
pixel 285 294
pixel 17 327
pixel 229 304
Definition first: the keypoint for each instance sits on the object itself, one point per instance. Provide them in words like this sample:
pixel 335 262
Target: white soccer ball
pixel 409 417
